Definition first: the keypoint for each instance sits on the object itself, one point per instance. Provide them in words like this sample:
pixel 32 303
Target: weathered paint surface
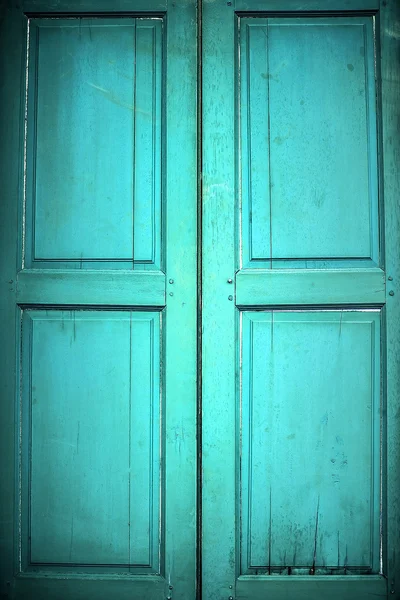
pixel 98 301
pixel 299 132
pixel 297 497
pixel 99 381
pixel 94 143
pixel 310 469
pixel 93 409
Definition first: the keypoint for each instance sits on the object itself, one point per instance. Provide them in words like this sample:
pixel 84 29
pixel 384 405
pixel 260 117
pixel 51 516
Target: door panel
pixel 298 337
pixel 93 417
pixel 310 468
pixel 94 110
pixel 297 127
pixel 84 75
pixel 101 499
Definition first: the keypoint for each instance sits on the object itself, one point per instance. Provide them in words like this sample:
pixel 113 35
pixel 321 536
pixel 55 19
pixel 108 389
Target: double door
pixel 199 260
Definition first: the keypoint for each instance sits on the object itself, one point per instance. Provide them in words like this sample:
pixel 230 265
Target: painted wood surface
pixel 310 442
pixel 181 292
pixel 94 111
pixel 308 380
pixel 93 415
pixel 299 6
pixel 54 287
pixel 255 287
pixel 218 335
pixel 300 196
pixel 302 588
pixel 89 287
pixel 95 6
pixel 101 518
pixel 390 77
pixel 11 124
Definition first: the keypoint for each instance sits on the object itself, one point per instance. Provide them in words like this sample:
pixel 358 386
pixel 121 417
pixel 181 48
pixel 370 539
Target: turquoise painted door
pixel 300 307
pixel 99 403
pixel 121 475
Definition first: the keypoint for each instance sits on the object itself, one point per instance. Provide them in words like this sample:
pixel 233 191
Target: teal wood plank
pixel 304 180
pixel 303 588
pixel 310 429
pixel 306 5
pixel 181 294
pixel 92 498
pixel 63 588
pixel 255 143
pixel 146 476
pixel 123 288
pixel 218 343
pixel 94 6
pixel 108 196
pixel 147 127
pixel 390 77
pixel 11 143
pixel 256 287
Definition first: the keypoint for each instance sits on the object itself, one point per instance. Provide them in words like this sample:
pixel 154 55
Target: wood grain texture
pixel 168 550
pixel 180 332
pixel 93 414
pixel 305 5
pixel 94 190
pixel 291 284
pixel 390 78
pixel 118 288
pixel 303 588
pixel 97 6
pixel 256 287
pixel 79 588
pixel 310 429
pixel 299 197
pixel 219 351
pixel 11 141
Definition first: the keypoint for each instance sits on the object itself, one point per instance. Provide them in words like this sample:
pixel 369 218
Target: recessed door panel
pixel 310 442
pixel 94 144
pixel 308 139
pixel 94 412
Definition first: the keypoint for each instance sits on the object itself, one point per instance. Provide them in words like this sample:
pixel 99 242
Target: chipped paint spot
pixel 350 67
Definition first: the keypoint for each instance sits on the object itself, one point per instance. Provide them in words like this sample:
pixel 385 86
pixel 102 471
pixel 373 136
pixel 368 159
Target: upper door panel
pixel 308 150
pixel 93 151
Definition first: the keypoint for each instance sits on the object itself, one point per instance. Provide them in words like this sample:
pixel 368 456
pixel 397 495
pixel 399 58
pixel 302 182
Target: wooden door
pixel 299 312
pixel 98 252
pixel 300 315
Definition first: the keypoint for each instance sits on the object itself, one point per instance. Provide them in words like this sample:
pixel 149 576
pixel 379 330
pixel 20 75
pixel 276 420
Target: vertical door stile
pixel 219 326
pixel 389 23
pixel 181 300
